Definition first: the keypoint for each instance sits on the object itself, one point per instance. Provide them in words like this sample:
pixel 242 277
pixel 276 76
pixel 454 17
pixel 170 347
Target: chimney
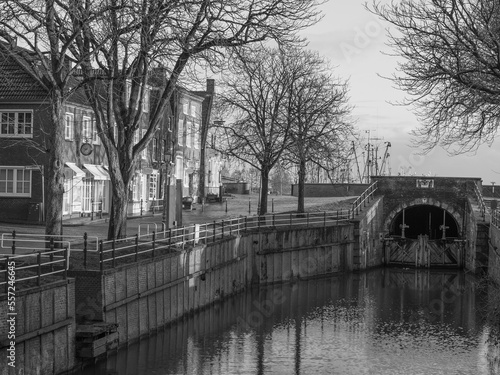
pixel 211 85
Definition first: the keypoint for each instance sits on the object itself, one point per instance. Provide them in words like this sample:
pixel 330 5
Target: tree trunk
pixel 55 170
pixel 301 186
pixel 119 204
pixel 203 148
pixel 264 175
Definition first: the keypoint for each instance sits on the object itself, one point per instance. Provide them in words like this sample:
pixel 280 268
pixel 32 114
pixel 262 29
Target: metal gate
pixel 422 252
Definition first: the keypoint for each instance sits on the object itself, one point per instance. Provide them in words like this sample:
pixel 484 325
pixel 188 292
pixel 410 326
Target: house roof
pixel 17 83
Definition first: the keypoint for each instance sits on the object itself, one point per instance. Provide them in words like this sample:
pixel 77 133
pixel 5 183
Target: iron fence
pixel 17 270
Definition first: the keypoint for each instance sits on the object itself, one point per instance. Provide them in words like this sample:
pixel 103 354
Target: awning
pixel 78 172
pixel 97 171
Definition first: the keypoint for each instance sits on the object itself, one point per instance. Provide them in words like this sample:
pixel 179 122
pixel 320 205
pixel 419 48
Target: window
pixel 145 107
pixel 185 107
pixel 96 139
pixel 86 128
pixel 144 152
pixel 154 151
pixel 196 131
pixel 16 124
pixel 15 182
pixel 179 168
pixel 188 133
pixel 153 180
pixel 194 109
pixel 180 132
pixel 69 124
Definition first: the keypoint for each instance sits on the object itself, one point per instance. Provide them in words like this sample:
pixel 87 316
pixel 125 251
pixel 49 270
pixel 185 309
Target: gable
pixel 16 84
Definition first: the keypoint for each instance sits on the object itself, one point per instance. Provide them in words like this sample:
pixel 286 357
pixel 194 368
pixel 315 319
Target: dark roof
pixel 16 82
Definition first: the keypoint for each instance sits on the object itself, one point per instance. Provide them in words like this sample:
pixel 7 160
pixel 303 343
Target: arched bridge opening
pixel 424 219
pixel 424 236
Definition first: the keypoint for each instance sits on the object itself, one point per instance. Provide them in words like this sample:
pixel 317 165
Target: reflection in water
pixel 386 321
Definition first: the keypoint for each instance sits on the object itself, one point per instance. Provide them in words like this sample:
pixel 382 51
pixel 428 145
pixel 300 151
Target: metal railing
pixel 363 199
pixel 154 243
pixel 17 270
pixel 495 218
pixel 480 201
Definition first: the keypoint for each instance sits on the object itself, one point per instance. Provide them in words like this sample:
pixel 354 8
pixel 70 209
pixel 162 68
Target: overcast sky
pixel 354 41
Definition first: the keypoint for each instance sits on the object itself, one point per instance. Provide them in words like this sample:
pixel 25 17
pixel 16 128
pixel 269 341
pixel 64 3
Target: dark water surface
pixel 386 321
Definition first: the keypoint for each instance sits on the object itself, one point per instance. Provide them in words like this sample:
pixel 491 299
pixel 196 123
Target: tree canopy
pixel 449 66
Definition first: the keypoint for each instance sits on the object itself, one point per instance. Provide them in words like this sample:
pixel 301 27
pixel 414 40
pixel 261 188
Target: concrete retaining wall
pixel 144 296
pixel 44 330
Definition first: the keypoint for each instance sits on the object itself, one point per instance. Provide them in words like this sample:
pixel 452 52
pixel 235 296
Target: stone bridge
pixel 423 222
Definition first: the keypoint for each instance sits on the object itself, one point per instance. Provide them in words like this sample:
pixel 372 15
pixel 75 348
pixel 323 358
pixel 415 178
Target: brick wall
pixel 45 330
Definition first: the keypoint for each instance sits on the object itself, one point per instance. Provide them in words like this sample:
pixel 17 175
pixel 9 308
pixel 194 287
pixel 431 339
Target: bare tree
pixel 257 94
pixel 450 53
pixel 39 27
pixel 126 39
pixel 318 110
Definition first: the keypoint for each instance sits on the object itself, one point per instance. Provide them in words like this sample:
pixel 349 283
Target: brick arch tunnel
pixel 424 219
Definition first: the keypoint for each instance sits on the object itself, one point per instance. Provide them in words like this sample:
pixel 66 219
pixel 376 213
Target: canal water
pixel 385 321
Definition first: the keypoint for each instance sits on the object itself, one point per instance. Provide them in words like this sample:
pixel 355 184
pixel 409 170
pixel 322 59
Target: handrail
pixel 20 268
pixel 13 239
pixel 495 218
pixel 480 200
pixel 175 239
pixel 363 199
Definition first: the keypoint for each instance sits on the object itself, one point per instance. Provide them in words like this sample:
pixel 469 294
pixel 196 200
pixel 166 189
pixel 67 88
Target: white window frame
pixel 15 180
pixel 194 108
pixel 189 126
pixel 69 126
pixel 154 149
pixel 86 129
pixel 16 133
pixel 153 185
pixel 180 132
pixel 95 135
pixel 144 152
pixel 146 101
pixel 185 107
pixel 196 130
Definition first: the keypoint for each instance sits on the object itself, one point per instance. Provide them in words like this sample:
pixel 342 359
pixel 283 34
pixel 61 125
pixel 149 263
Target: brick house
pixel 25 120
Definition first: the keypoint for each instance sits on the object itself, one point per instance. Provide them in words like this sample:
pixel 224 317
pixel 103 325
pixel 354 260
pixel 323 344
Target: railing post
pixel 290 220
pixel 169 238
pixel 85 237
pixel 6 274
pixel 222 228
pixel 231 227
pixel 91 209
pixel 51 257
pixel 272 205
pixel 249 205
pixel 39 269
pixel 100 210
pixel 66 263
pixel 113 248
pixel 307 219
pixel 51 244
pixel 13 242
pixel 214 230
pixel 101 255
pixel 136 246
pixel 183 237
pixel 154 243
pixel 324 219
pixel 274 221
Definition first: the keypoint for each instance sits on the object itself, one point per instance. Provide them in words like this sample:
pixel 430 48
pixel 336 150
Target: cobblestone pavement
pixel 233 206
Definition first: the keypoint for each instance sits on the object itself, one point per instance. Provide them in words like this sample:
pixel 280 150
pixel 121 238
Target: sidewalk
pixel 235 206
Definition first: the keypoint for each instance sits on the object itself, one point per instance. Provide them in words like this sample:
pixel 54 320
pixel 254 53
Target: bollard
pixel 226 206
pixel 249 205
